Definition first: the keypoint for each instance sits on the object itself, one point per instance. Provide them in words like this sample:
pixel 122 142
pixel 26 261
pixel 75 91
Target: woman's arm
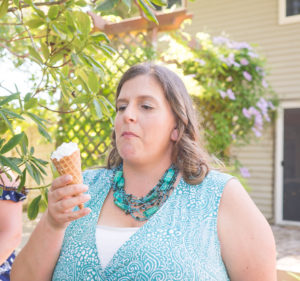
pixel 247 242
pixel 10 227
pixel 37 259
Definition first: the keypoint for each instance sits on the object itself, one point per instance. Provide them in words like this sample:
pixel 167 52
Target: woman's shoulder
pixel 217 178
pixel 92 175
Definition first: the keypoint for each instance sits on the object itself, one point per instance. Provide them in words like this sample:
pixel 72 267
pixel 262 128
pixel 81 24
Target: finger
pixel 74 215
pixel 61 181
pixel 70 203
pixel 69 191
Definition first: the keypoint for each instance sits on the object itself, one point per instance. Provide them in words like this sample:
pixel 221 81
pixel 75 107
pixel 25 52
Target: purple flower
pixel 230 94
pixel 233 136
pixel 222 93
pixel 264 83
pixel 271 105
pixel 229 79
pixel 200 61
pixel 253 55
pixel 257 132
pixel 246 113
pixel 244 61
pixel 245 172
pixel 247 76
pixel 219 40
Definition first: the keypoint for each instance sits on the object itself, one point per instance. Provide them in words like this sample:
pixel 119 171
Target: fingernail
pixel 69 177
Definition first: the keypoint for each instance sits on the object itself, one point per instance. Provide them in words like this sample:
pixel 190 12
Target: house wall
pixel 257 22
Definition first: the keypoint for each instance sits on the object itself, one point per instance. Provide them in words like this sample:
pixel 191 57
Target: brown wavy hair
pixel 188 154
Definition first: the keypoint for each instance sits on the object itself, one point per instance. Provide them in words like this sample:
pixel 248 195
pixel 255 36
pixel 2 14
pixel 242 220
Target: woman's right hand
pixel 62 198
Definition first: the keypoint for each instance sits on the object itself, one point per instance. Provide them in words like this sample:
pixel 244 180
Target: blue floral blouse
pixel 6 266
pixel 179 242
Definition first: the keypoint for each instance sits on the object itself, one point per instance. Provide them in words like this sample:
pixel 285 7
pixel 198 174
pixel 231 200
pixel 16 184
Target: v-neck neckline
pixel 141 229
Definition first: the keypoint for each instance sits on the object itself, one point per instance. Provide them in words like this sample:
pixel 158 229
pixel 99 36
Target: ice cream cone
pixel 70 165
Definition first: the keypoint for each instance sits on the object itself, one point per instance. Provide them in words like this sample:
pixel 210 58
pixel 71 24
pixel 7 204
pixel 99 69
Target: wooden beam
pixel 167 21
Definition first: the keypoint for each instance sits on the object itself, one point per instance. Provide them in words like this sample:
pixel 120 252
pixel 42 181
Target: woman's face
pixel 144 122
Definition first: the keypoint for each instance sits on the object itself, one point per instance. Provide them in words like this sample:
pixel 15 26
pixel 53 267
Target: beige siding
pixel 257 22
pixel 258 158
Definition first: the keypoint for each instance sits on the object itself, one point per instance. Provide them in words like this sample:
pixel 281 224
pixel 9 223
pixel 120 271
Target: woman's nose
pixel 129 114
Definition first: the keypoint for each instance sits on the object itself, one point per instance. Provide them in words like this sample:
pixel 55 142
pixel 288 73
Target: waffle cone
pixel 70 165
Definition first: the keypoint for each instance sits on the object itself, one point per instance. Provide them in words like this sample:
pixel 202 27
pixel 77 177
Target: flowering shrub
pixel 233 98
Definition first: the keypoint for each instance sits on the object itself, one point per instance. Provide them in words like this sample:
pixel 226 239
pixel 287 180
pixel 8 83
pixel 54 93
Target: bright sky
pixel 10 75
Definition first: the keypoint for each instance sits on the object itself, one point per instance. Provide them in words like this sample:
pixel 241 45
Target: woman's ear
pixel 174 134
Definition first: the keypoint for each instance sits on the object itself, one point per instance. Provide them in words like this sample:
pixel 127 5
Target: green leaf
pixel 7 122
pixel 1 142
pixel 45 50
pixel 107 5
pixel 38 120
pixel 65 70
pixel 57 29
pixel 74 59
pixel 41 161
pixel 35 54
pixel 81 98
pixel 83 22
pixel 12 143
pixel 42 205
pixel 100 37
pixel 3 127
pixel 38 11
pixel 4 161
pixel 32 102
pixel 24 144
pixel 9 98
pixel 33 208
pixel 45 134
pixel 97 108
pixel 93 82
pixel 3 8
pixel 29 2
pixel 53 12
pixel 23 180
pixel 81 3
pixel 70 21
pixel 12 114
pixel 127 3
pixel 147 10
pixel 32 172
pixel 39 167
pixel 45 194
pixel 35 23
pixel 160 2
pixel 16 2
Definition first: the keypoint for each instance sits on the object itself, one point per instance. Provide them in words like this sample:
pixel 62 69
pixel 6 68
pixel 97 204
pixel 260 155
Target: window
pixel 289 11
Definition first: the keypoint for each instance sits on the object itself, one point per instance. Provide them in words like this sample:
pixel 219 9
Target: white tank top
pixel 109 239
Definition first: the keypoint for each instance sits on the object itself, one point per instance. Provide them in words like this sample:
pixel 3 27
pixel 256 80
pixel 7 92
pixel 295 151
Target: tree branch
pixel 12 52
pixel 60 111
pixel 10 23
pixel 37 4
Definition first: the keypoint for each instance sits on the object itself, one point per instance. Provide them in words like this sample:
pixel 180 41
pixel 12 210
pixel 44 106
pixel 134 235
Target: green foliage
pixel 234 101
pixel 57 37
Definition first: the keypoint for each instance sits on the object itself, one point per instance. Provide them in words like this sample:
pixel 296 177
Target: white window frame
pixel 278 162
pixel 283 19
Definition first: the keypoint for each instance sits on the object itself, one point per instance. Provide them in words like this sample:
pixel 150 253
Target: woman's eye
pixel 121 107
pixel 147 107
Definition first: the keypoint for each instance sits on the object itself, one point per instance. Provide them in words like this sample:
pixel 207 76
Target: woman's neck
pixel 140 179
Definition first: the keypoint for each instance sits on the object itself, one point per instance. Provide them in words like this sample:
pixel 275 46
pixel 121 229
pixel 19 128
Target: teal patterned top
pixel 179 242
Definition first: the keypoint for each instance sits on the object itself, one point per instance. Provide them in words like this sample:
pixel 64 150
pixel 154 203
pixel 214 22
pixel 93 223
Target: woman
pixel 158 212
pixel 10 223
